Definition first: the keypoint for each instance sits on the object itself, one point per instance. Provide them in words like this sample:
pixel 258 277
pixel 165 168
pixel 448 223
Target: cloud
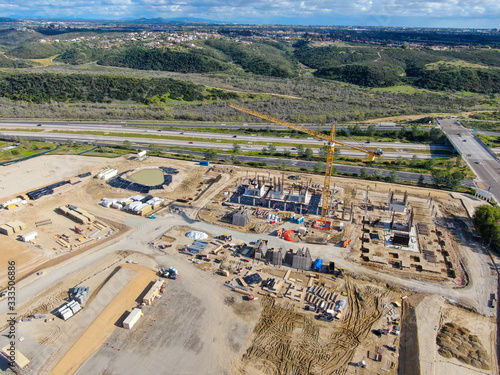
pixel 263 11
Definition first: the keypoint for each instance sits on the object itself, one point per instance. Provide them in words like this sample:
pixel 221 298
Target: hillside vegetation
pixel 154 59
pixel 382 67
pixel 46 87
pixel 122 76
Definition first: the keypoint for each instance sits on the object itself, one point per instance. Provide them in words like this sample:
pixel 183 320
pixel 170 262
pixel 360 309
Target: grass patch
pixel 402 89
pixel 45 62
pixel 458 63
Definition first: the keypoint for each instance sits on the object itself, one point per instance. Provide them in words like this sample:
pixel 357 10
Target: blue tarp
pixel 317 264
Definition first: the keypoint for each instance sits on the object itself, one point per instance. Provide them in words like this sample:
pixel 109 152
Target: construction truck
pixel 78 229
pixel 341 273
pixel 224 237
pixel 171 273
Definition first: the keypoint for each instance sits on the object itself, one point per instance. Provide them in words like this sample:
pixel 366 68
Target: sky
pixel 413 13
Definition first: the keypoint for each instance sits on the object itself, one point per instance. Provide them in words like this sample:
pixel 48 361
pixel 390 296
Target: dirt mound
pixel 458 342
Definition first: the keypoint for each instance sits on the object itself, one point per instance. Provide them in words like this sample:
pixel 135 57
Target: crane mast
pixel 331 142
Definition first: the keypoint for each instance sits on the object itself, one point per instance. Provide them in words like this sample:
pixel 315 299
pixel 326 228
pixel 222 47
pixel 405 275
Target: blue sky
pixel 418 13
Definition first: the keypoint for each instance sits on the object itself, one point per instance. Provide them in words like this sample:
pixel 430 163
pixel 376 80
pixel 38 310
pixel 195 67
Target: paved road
pixel 110 140
pixel 480 159
pixel 117 128
pixel 164 126
pixel 405 149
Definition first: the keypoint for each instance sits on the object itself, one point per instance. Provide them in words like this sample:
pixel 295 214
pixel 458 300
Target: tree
pixel 363 173
pixel 287 152
pixel 282 164
pixel 271 149
pixel 127 144
pixel 377 175
pixel 402 132
pixel 400 160
pixel 448 180
pixel 319 167
pixel 414 161
pixel 323 151
pixel 356 130
pixel 435 134
pixel 154 148
pixel 336 152
pixel 421 180
pixel 486 222
pixel 211 155
pixel 308 154
pixel 458 161
pixel 371 130
pixel 265 150
pixel 236 148
pixel 393 177
pixel 300 150
pixel 429 164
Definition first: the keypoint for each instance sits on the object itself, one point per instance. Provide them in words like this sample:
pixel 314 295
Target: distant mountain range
pixel 8 19
pixel 160 20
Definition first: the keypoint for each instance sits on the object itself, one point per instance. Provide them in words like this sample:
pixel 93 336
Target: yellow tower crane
pixel 331 142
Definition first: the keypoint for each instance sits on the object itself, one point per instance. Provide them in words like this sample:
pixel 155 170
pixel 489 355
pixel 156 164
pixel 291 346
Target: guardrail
pixel 486 148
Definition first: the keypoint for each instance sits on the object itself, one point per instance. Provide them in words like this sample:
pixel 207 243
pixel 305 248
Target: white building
pixel 29 236
pixel 132 318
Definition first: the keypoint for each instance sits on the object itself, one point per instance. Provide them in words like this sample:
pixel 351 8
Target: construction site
pixel 228 269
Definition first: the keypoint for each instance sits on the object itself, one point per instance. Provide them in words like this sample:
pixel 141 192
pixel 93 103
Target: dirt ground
pixel 199 325
pixel 102 327
pixel 37 172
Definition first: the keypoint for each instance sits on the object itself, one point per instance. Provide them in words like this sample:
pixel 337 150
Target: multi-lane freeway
pixel 123 124
pixel 207 140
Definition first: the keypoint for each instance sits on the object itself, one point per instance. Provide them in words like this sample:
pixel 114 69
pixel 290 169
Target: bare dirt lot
pixel 201 326
pixel 31 174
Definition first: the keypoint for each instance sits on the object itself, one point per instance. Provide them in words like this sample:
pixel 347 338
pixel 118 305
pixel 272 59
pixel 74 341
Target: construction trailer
pixel 7 230
pixel 84 213
pixel 16 360
pixel 132 318
pixel 153 292
pixel 29 236
pixel 16 225
pixel 79 218
pixel 107 174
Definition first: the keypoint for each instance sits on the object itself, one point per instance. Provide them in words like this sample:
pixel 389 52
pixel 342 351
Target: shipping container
pixel 204 162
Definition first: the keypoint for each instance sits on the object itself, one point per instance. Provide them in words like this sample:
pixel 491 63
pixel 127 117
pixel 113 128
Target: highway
pixel 479 158
pixel 164 126
pixel 402 149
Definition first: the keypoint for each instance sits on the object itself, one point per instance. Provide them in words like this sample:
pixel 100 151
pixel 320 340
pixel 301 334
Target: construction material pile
pixel 196 235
